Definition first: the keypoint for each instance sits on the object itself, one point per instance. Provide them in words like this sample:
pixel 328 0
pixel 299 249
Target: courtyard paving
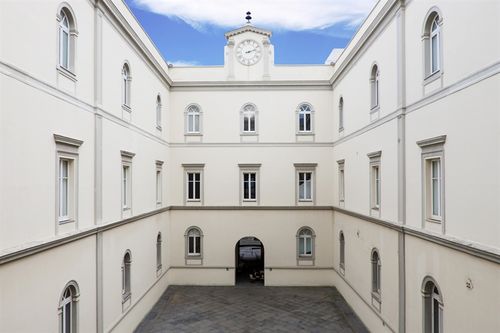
pixel 251 309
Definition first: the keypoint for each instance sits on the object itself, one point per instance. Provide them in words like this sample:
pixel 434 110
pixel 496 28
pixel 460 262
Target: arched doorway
pixel 249 257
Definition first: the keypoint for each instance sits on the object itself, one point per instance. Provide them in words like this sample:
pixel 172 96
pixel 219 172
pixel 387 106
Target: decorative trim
pixel 374 154
pixel 67 141
pixel 247 28
pixel 305 165
pixel 432 141
pixel 249 165
pixel 127 154
pixel 280 208
pixel 193 165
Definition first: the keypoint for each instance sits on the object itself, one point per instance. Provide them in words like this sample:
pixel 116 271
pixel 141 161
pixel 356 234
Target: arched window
pixel 433 306
pixel 305 243
pixel 305 113
pixel 376 266
pixel 126 264
pixel 126 78
pixel 432 42
pixel 193 119
pixel 158 112
pixel 249 119
pixel 68 308
pixel 341 114
pixel 67 38
pixel 194 242
pixel 158 252
pixel 342 252
pixel 374 87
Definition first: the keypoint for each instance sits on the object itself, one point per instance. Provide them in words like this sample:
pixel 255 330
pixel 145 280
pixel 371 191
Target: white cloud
pixel 184 63
pixel 278 14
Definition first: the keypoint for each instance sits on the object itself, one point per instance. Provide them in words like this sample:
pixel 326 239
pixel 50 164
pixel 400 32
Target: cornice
pixel 247 28
pixel 253 84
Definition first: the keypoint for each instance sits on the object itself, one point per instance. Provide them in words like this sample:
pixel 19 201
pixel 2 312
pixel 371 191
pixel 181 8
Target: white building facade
pixel 377 174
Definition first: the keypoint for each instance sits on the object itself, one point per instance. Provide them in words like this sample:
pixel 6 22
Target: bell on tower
pixel 248 18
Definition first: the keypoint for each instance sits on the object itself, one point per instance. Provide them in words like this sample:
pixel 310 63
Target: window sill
pixel 193 134
pixel 249 200
pixel 193 200
pixel 342 269
pixel 194 256
pixel 375 109
pixel 126 108
pixel 433 220
pixel 249 134
pixel 66 221
pixel 305 257
pixel 158 127
pixel 126 297
pixel 305 133
pixel 66 73
pixel 341 129
pixel 433 77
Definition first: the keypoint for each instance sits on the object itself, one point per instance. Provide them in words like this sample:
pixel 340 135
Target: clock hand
pixel 249 51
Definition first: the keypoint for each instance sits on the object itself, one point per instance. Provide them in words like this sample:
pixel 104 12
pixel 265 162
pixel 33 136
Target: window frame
pixel 342 252
pixel 249 168
pixel 309 112
pixel 193 169
pixel 246 113
pixel 375 182
pixel 126 181
pixel 341 114
pixel 67 149
pixel 195 111
pixel 376 278
pixel 126 89
pixel 429 299
pixel 73 300
pixel 304 258
pixel 127 277
pixel 305 168
pixel 159 246
pixel 341 182
pixel 193 258
pixel 374 88
pixel 432 149
pixel 429 74
pixel 159 183
pixel 158 112
pixel 68 69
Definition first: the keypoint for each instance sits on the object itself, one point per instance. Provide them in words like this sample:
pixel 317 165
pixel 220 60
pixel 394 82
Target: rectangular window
pixel 434 53
pixel 159 185
pixel 433 183
pixel 194 245
pixel 194 185
pixel 305 186
pixel 126 183
pixel 66 180
pixel 249 186
pixel 375 183
pixel 193 123
pixel 305 183
pixel 126 186
pixel 304 122
pixel 65 49
pixel 341 182
pixel 64 189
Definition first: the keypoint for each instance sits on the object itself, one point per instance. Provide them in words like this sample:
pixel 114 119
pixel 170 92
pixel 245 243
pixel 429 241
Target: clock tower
pixel 248 54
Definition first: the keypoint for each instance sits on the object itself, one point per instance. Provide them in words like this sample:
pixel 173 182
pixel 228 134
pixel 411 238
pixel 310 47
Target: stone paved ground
pixel 251 309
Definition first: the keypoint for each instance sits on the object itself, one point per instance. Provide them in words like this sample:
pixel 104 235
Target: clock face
pixel 248 52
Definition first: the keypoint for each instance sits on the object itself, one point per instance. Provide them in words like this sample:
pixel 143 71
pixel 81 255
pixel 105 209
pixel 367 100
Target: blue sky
pixel 187 33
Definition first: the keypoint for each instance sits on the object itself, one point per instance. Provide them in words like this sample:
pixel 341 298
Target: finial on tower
pixel 248 17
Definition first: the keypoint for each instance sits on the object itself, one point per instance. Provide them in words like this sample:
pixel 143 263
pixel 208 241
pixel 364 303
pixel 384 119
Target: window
pixel 305 246
pixel 67 179
pixel 68 306
pixel 305 122
pixel 126 280
pixel 433 306
pixel 126 185
pixel 158 253
pixel 375 183
pixel 374 87
pixel 159 185
pixel 432 43
pixel 249 180
pixel 194 242
pixel 158 112
pixel 194 183
pixel 433 181
pixel 376 269
pixel 305 182
pixel 126 79
pixel 341 182
pixel 249 119
pixel 342 252
pixel 341 114
pixel 67 38
pixel 193 120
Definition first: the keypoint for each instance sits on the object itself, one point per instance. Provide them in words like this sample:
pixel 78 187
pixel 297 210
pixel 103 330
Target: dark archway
pixel 249 265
